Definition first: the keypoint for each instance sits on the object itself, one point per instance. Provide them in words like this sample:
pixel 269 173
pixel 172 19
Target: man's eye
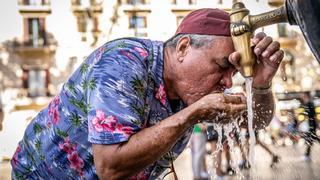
pixel 224 67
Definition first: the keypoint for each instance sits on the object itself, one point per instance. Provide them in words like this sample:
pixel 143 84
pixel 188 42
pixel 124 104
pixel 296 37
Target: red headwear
pixel 206 21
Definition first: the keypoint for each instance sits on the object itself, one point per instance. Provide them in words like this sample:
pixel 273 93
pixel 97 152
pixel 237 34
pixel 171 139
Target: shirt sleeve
pixel 116 101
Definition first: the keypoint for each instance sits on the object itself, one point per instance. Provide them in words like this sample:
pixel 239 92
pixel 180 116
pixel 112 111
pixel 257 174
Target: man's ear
pixel 182 47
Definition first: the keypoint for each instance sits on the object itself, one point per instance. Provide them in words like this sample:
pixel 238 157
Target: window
pixel 76 2
pixel 37 83
pixel 137 22
pixel 36 32
pixel 35 2
pixel 136 2
pixel 139 25
pixel 192 2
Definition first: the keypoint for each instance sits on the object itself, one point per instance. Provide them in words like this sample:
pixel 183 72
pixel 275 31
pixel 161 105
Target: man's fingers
pixel 258 37
pixel 277 56
pixel 261 47
pixel 234 99
pixel 271 49
pixel 235 109
pixel 242 96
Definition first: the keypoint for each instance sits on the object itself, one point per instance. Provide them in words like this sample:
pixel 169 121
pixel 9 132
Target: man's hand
pixel 220 108
pixel 269 57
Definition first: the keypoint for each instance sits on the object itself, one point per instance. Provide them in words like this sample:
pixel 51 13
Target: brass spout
pixel 278 15
pixel 243 26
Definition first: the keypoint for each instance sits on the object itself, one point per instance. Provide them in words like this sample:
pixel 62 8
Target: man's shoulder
pixel 133 41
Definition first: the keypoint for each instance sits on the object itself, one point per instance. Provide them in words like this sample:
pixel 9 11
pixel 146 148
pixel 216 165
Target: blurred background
pixel 42 42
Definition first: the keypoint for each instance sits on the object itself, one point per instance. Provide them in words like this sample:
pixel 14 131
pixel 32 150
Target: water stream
pixel 233 128
pixel 252 137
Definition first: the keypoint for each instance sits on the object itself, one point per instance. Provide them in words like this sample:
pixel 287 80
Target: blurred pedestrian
pixel 292 127
pixel 198 152
pixel 311 135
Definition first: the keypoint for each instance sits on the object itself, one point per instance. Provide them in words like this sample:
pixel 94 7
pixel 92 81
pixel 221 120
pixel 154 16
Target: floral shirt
pixel 116 92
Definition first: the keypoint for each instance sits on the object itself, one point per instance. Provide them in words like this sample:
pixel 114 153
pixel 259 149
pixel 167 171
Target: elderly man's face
pixel 205 70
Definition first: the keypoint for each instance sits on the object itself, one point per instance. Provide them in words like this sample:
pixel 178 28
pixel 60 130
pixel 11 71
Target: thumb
pixel 234 59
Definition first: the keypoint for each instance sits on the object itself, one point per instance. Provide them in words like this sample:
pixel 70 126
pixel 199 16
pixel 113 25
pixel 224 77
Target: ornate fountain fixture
pixel 304 13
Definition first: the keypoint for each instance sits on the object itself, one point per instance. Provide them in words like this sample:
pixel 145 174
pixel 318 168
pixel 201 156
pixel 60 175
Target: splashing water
pixel 225 130
pixel 252 139
pixel 231 129
pixel 212 161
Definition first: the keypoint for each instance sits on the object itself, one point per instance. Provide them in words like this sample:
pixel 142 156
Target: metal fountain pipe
pixel 304 13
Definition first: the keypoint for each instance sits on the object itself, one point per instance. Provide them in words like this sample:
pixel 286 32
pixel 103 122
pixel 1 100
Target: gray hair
pixel 197 40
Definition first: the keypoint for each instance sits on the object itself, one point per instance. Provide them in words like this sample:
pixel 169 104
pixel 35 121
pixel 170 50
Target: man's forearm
pixel 263 109
pixel 145 147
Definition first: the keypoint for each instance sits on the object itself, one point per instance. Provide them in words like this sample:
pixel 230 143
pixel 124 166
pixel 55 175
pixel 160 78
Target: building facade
pixel 57 35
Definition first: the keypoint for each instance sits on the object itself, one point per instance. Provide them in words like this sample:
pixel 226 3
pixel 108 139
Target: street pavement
pixel 290 167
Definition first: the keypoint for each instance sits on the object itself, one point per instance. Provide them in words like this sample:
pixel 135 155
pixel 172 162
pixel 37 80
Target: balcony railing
pixel 33 2
pixel 33 54
pixel 35 6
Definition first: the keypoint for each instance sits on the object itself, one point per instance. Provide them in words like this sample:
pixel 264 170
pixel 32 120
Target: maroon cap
pixel 206 21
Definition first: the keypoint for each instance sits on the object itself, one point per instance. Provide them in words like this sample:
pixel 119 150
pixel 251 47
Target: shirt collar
pixel 157 72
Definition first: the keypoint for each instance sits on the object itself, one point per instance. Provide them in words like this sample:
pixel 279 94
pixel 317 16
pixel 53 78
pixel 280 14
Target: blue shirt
pixel 116 92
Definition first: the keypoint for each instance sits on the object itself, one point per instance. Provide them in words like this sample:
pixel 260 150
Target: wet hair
pixel 197 40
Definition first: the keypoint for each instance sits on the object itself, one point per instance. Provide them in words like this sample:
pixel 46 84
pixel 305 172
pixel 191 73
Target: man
pixel 198 142
pixel 129 110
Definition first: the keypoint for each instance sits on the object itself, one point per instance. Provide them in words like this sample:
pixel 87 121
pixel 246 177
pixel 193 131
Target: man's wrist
pixel 262 86
pixel 261 89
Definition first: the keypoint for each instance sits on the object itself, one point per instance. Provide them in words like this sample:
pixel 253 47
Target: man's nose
pixel 226 81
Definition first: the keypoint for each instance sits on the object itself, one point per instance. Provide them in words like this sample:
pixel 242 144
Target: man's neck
pixel 168 75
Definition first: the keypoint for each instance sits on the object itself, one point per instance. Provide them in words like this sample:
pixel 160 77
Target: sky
pixel 11 21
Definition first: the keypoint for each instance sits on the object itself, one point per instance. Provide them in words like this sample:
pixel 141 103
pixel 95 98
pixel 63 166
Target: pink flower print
pixel 76 163
pixel 56 100
pixel 161 95
pixel 49 124
pixel 119 128
pixel 53 109
pixel 54 114
pixel 99 53
pixel 127 130
pixel 127 54
pixel 15 156
pixel 67 146
pixel 103 123
pixel 142 52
